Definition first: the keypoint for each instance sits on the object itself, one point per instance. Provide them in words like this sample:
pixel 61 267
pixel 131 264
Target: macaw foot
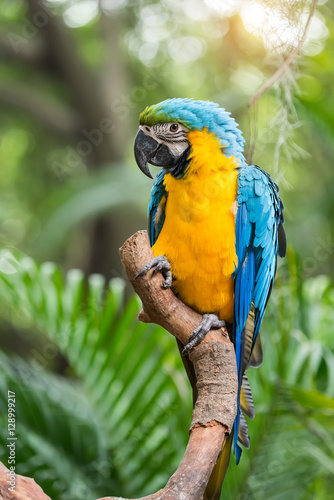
pixel 161 264
pixel 208 322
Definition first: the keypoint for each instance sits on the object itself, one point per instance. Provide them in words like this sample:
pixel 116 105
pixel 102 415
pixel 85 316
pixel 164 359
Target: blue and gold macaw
pixel 216 227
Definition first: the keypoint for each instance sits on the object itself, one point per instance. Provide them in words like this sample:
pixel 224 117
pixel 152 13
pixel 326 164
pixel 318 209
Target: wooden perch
pixel 216 374
pixel 25 488
pixel 215 368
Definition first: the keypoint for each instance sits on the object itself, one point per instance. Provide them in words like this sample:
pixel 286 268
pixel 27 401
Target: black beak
pixel 147 150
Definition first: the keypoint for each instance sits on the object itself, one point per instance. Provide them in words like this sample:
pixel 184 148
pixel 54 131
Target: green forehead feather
pixel 155 114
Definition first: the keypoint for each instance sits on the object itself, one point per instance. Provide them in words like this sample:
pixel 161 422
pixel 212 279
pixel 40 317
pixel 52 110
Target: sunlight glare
pixel 278 31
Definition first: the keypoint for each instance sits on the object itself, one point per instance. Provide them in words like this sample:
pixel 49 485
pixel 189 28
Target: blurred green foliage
pixel 74 77
pixel 118 422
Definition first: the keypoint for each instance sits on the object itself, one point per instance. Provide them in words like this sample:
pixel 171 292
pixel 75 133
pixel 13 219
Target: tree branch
pixel 216 374
pixel 215 368
pixel 293 54
pixel 25 488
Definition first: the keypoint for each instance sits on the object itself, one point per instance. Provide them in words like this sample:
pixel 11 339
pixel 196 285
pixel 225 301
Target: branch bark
pixel 215 368
pixel 216 374
pixel 25 488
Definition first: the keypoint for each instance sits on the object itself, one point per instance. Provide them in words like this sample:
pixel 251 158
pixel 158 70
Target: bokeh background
pixel 102 403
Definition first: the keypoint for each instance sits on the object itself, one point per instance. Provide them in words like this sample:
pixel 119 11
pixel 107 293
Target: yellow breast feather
pixel 198 235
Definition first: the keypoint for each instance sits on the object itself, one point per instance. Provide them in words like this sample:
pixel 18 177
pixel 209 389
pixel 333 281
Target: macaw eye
pixel 174 127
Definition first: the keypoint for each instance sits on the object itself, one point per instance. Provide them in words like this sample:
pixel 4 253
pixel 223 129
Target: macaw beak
pixel 145 148
pixel 148 150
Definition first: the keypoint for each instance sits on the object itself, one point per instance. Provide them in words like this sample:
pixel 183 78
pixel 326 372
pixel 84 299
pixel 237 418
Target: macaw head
pixel 163 138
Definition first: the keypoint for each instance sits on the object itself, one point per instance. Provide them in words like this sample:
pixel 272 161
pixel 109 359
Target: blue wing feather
pixel 155 216
pixel 259 238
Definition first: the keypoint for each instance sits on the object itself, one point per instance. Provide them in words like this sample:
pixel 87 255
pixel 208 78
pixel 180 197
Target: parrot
pixel 215 226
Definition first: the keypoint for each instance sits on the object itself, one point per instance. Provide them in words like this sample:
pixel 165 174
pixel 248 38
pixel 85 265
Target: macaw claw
pixel 160 264
pixel 208 322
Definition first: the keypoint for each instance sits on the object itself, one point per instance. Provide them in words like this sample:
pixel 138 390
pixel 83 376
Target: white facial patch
pixel 173 135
